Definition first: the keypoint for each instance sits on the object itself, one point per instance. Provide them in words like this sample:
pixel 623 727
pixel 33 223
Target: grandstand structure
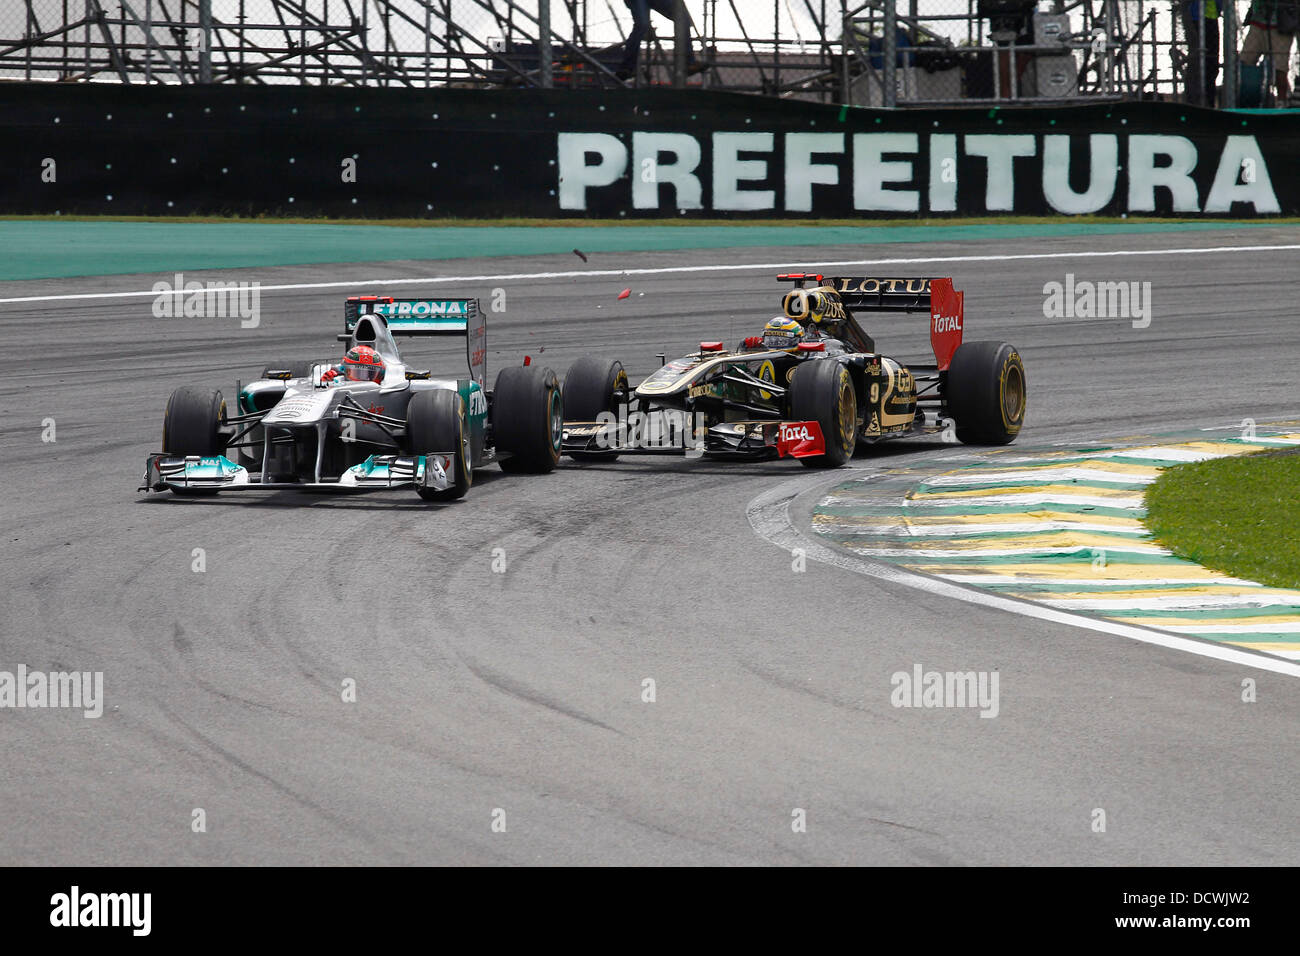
pixel 879 52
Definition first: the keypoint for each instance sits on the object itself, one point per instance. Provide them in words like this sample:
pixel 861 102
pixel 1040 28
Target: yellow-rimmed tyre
pixel 985 393
pixel 823 392
pixel 592 387
pixel 436 422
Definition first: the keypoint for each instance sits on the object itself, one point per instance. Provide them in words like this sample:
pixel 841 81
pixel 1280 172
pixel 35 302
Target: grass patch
pixel 674 223
pixel 1236 515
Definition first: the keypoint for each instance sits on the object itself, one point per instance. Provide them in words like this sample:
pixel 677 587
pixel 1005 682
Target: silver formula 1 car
pixel 813 387
pixel 297 427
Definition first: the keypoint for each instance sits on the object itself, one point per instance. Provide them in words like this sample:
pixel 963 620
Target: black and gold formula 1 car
pixel 813 387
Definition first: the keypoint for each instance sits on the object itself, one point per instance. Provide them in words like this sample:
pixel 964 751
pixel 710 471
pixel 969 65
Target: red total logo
pixel 795 433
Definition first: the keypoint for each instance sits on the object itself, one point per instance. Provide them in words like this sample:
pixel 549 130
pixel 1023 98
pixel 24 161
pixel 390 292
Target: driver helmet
pixel 782 333
pixel 363 364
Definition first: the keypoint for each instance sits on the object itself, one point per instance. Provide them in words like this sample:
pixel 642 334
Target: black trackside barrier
pixel 312 151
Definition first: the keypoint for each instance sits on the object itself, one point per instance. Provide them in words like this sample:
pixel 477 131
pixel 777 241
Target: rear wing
pixel 935 296
pixel 424 317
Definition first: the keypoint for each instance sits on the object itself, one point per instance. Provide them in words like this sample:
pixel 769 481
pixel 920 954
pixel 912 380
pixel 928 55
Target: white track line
pixel 670 270
pixel 769 516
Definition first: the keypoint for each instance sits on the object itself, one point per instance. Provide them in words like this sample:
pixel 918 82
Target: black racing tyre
pixel 192 426
pixel 299 369
pixel 590 388
pixel 192 422
pixel 528 419
pixel 985 393
pixel 822 391
pixel 436 422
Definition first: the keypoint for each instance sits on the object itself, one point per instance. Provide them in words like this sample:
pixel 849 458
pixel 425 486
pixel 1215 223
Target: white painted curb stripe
pixel 1075 550
pixel 1027 498
pixel 955 530
pixel 1082 582
pixel 1117 606
pixel 1181 455
pixel 1231 627
pixel 1041 476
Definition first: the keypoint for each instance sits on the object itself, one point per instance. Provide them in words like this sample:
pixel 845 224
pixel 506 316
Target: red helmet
pixel 363 364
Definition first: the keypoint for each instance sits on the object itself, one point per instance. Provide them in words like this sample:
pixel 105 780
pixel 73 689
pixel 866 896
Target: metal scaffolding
pixel 877 52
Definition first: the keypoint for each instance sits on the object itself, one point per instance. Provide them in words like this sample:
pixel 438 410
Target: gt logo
pixel 477 403
pixel 947 323
pixel 795 433
pixel 834 309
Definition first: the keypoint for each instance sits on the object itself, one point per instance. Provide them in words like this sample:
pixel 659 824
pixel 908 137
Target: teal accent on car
pixel 217 466
pixel 370 468
pixel 379 470
pixel 475 399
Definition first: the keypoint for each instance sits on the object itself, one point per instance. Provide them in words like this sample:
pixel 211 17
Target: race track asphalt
pixel 517 696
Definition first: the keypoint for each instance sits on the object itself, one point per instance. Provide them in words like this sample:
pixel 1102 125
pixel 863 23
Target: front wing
pixel 217 473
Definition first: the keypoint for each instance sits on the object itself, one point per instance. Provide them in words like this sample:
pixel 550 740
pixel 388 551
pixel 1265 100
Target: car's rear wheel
pixel 986 393
pixel 436 422
pixel 823 392
pixel 593 387
pixel 528 419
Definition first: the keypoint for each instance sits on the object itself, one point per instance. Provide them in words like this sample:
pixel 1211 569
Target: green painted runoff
pixel 47 249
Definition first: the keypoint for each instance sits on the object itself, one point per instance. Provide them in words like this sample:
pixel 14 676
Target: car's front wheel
pixel 192 426
pixel 823 392
pixel 192 422
pixel 436 422
pixel 593 387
